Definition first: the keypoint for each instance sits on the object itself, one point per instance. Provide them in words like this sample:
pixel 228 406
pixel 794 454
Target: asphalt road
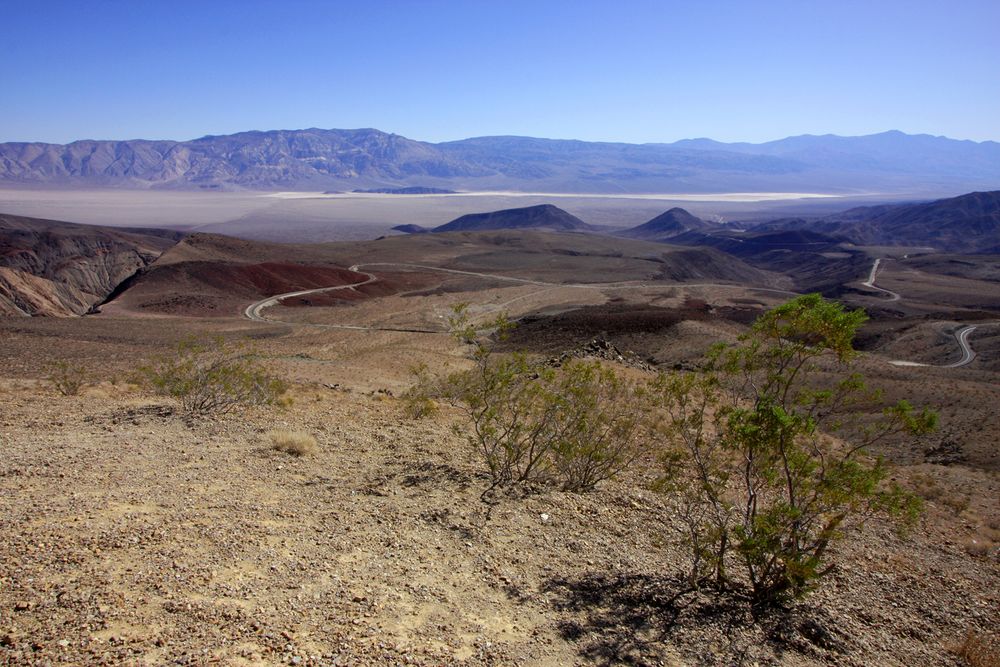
pixel 870 283
pixel 968 354
pixel 255 310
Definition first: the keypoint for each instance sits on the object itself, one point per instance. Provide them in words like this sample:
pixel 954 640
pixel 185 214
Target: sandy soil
pixel 134 535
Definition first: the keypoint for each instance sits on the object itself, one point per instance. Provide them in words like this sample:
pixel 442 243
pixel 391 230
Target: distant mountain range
pixel 368 159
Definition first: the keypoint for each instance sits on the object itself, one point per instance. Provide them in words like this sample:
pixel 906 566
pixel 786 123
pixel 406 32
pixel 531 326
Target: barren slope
pixel 60 268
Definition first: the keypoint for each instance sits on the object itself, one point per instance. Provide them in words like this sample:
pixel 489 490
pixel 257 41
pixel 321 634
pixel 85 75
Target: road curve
pixel 968 354
pixel 254 311
pixel 870 283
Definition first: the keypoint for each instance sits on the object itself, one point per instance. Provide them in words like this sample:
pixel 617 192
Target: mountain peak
pixel 673 222
pixel 540 216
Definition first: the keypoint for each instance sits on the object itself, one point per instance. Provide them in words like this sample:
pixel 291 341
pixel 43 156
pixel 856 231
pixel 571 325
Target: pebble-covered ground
pixel 132 535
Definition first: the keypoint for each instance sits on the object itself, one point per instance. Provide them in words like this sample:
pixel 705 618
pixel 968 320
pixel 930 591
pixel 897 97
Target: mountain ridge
pixel 367 158
pixel 968 223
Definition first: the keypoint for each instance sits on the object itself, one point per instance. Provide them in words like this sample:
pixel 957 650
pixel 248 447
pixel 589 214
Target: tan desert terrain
pixel 134 534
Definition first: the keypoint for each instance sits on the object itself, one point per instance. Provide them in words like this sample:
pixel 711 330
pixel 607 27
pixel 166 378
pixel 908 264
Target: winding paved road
pixel 255 310
pixel 871 282
pixel 968 354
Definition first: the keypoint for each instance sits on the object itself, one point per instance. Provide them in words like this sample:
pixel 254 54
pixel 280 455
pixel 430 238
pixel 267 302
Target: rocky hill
pixel 668 225
pixel 213 275
pixel 969 223
pixel 62 269
pixel 543 216
pixel 368 159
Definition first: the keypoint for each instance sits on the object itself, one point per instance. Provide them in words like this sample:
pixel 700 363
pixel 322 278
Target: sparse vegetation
pixel 419 400
pixel 214 377
pixel 573 426
pixel 295 443
pixel 602 421
pixel 749 455
pixel 68 379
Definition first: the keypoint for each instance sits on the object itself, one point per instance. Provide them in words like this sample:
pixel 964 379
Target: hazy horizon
pixel 519 136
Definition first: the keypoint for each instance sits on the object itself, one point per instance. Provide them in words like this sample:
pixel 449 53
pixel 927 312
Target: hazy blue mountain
pixel 368 159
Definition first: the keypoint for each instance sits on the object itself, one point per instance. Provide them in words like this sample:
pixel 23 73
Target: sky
pixel 631 71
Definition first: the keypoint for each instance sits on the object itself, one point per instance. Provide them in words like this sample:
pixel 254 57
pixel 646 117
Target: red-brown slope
pixel 61 268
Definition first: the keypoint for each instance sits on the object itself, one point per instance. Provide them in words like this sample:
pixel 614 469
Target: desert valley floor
pixel 131 533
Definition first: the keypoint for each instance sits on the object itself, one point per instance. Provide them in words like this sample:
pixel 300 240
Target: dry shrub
pixel 925 486
pixel 418 401
pixel 979 649
pixel 957 503
pixel 977 547
pixel 214 377
pixel 67 378
pixel 295 443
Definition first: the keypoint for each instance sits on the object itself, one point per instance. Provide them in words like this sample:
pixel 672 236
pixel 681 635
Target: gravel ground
pixel 131 535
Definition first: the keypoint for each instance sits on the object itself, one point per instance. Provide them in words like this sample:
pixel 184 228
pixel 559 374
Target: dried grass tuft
pixel 295 443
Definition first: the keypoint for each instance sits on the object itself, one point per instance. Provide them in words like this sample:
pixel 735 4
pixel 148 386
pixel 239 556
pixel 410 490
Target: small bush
pixel 295 443
pixel 418 400
pixel 216 377
pixel 601 425
pixel 572 426
pixel 977 547
pixel 68 379
pixel 957 502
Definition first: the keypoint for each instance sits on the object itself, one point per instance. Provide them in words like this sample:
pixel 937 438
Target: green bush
pixel 572 426
pixel 214 377
pixel 602 424
pixel 749 458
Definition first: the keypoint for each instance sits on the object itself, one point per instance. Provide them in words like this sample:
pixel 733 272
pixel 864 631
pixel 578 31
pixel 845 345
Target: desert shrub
pixel 748 453
pixel 295 443
pixel 213 377
pixel 979 649
pixel 419 401
pixel 601 424
pixel 573 426
pixel 956 502
pixel 926 486
pixel 68 379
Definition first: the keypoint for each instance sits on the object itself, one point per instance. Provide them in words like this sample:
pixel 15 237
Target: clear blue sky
pixel 617 71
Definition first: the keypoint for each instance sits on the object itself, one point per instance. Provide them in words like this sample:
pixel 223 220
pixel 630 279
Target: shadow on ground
pixel 641 619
